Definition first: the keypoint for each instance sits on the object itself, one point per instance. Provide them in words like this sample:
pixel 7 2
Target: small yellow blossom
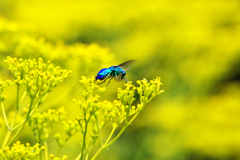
pixel 21 151
pixel 36 77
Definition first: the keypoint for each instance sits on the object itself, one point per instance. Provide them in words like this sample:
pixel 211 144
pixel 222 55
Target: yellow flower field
pixel 48 46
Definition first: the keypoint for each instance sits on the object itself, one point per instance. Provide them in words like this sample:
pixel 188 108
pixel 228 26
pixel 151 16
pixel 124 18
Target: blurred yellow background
pixel 192 45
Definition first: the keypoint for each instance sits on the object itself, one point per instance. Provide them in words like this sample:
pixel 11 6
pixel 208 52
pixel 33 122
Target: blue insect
pixel 114 71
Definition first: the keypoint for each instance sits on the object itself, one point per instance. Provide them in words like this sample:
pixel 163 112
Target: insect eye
pixel 123 74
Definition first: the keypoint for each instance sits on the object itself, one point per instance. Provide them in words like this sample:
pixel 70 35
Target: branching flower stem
pixel 46 149
pixel 89 141
pixel 9 132
pixel 111 134
pixel 40 154
pixel 84 137
pixel 4 113
pixel 60 147
pixel 99 132
pixel 15 115
pixel 34 109
pixel 24 123
pixel 23 96
pixel 58 152
pixel 17 108
pixel 119 134
pixel 90 148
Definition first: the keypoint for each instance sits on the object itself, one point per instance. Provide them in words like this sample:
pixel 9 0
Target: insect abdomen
pixel 102 74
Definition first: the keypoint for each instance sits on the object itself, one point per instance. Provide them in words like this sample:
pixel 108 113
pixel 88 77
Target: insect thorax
pixel 116 71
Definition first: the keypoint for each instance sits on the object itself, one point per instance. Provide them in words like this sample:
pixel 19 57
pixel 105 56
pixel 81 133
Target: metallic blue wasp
pixel 114 71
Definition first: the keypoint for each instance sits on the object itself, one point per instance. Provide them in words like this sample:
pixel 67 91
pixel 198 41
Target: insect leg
pixel 109 80
pixel 125 80
pixel 104 80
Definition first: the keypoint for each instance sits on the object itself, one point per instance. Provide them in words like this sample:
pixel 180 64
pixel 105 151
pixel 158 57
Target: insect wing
pixel 126 65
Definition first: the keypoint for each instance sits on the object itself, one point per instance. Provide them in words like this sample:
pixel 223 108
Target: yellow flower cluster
pixel 100 113
pixel 91 106
pixel 21 151
pixel 52 157
pixel 120 109
pixel 116 112
pixel 4 85
pixel 36 77
pixel 59 141
pixel 81 58
pixel 53 116
pixel 70 128
pixel 147 90
pixel 40 123
pixel 37 123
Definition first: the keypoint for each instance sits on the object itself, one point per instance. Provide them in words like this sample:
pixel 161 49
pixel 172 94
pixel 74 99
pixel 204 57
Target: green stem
pixel 4 113
pixel 40 154
pixel 17 126
pixel 23 125
pixel 59 148
pixel 84 139
pixel 34 108
pixel 9 131
pixel 103 147
pixel 99 133
pixel 23 96
pixel 46 150
pixel 17 107
pixel 110 136
pixel 12 123
pixel 15 136
pixel 87 154
pixel 79 156
pixel 122 130
pixel 97 153
pixel 119 134
pixel 39 142
pixel 6 138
